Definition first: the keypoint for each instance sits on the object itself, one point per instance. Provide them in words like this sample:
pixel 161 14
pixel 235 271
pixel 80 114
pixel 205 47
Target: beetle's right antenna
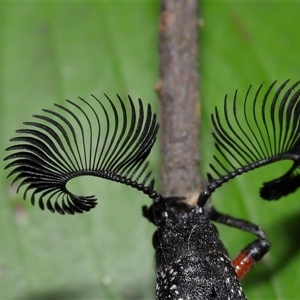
pixel 265 130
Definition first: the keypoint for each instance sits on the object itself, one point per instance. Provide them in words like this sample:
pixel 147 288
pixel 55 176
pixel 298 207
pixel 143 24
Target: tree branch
pixel 178 91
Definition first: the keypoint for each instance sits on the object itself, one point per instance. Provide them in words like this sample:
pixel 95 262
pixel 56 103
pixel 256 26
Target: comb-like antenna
pixel 265 130
pixel 99 139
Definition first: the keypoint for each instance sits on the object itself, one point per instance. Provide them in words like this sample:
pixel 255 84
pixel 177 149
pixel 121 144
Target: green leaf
pixel 242 44
pixel 52 51
pixel 49 52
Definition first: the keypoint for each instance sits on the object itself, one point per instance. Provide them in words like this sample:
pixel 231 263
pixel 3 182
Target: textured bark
pixel 178 89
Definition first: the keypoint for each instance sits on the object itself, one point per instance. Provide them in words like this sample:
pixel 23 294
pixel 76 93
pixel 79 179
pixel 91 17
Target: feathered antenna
pixel 267 130
pixel 65 144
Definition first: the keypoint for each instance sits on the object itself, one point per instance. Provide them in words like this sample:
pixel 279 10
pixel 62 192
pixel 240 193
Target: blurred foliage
pixel 52 51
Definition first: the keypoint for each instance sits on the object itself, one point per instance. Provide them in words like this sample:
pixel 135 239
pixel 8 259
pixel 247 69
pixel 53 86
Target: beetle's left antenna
pixel 97 138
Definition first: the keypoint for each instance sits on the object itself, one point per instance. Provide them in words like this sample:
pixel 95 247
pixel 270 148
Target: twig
pixel 178 90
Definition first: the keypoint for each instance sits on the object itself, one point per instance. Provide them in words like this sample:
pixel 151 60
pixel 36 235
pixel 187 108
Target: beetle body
pixel 191 260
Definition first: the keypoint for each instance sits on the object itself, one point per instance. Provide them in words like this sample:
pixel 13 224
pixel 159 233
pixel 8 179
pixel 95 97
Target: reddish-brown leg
pixel 249 256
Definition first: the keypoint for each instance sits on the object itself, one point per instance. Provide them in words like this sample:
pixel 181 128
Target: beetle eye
pixel 215 228
pixel 156 238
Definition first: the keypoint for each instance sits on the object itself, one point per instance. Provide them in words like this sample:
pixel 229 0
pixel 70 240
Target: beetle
pixel 191 260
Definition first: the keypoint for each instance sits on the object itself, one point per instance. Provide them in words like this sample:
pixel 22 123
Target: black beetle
pixel 191 261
